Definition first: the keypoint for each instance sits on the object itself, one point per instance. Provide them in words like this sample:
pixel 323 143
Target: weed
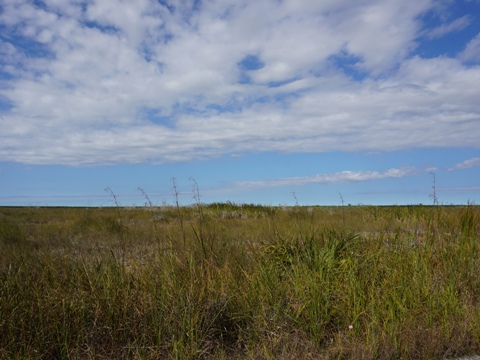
pixel 302 282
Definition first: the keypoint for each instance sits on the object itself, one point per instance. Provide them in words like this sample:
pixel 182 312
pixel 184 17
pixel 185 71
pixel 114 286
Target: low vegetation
pixel 240 281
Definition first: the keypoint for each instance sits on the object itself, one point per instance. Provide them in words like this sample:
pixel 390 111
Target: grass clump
pixel 239 281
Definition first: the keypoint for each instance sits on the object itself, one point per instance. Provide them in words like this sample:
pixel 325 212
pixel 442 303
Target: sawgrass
pixel 240 281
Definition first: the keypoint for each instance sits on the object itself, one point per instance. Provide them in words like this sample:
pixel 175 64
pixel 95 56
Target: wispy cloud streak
pixel 339 177
pixel 456 25
pixel 467 164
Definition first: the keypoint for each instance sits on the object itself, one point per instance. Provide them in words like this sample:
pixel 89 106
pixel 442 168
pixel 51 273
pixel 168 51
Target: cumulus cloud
pixel 146 81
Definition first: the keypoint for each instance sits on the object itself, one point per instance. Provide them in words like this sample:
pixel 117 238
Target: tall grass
pixel 239 281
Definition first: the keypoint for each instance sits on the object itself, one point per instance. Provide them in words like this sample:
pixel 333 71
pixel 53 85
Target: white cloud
pixel 382 33
pixel 472 50
pixel 456 25
pixel 339 177
pixel 89 75
pixel 467 164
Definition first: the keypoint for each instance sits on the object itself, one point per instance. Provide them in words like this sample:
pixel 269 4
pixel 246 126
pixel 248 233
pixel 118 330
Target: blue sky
pixel 267 101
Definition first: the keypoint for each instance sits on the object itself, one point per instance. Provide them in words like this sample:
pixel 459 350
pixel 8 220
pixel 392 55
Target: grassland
pixel 228 281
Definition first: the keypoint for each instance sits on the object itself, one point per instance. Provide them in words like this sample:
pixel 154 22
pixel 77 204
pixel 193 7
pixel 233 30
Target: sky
pixel 274 102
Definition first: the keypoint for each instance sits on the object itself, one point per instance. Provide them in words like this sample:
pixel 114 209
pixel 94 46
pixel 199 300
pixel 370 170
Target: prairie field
pixel 231 281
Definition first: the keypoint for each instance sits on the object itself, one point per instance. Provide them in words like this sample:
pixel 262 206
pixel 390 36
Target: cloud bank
pixel 105 82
